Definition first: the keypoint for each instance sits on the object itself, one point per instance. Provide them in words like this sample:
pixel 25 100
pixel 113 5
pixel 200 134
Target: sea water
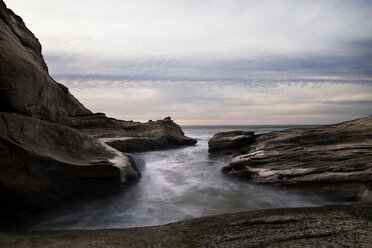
pixel 178 184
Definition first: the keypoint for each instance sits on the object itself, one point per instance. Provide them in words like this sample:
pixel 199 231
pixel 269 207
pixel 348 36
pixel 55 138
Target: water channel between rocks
pixel 178 184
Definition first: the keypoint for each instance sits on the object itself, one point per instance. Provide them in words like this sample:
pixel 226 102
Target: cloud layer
pixel 225 61
pixel 219 102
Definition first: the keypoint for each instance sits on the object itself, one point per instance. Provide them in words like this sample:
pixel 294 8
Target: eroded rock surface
pixel 43 164
pixel 44 161
pixel 25 85
pixel 330 226
pixel 228 142
pixel 129 136
pixel 334 160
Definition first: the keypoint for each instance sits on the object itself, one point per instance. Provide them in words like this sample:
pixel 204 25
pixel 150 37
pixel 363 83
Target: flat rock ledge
pixel 329 226
pixel 333 160
pixel 130 136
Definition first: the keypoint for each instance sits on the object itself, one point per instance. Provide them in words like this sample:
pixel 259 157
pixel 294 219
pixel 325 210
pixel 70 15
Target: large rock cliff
pixel 25 85
pixel 43 160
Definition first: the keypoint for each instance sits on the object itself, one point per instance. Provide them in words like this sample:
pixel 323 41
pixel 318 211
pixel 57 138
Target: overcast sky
pixel 210 62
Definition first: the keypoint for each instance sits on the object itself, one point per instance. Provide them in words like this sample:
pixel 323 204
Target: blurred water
pixel 178 184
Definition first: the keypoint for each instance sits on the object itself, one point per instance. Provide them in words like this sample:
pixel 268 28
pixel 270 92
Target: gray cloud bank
pixel 206 62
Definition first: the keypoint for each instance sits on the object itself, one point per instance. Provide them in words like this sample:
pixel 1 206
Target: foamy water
pixel 177 184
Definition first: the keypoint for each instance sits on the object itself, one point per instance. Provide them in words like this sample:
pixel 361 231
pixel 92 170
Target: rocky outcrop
pixel 333 160
pixel 25 85
pixel 229 142
pixel 44 164
pixel 43 161
pixel 129 136
pixel 330 226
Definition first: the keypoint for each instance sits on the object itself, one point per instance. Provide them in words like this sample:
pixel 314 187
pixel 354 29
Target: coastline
pixel 327 226
pixel 51 153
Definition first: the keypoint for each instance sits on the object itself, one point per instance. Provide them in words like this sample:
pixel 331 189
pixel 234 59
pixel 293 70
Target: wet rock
pixel 227 142
pixel 129 136
pixel 330 226
pixel 333 160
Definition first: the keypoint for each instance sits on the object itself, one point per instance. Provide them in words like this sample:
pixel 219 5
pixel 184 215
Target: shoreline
pixel 325 226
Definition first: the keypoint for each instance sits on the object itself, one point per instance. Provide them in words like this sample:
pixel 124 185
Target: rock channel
pixel 50 152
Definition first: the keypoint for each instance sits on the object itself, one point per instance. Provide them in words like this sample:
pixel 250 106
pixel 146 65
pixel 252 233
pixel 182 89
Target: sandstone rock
pixel 226 142
pixel 25 85
pixel 129 136
pixel 334 160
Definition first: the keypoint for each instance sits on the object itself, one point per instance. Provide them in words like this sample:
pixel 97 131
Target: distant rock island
pixel 333 160
pixel 50 143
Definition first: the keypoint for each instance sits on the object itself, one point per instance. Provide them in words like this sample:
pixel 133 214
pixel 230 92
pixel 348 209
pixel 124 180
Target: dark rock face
pixel 334 160
pixel 25 86
pixel 129 136
pixel 227 142
pixel 43 161
pixel 43 164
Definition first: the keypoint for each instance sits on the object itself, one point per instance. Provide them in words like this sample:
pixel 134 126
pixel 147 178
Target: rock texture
pixel 331 226
pixel 129 136
pixel 229 142
pixel 44 162
pixel 25 85
pixel 334 160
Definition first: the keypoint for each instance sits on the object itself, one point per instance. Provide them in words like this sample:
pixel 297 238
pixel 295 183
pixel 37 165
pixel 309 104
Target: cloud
pixel 225 102
pixel 226 70
pixel 351 102
pixel 212 61
pixel 202 37
pixel 208 29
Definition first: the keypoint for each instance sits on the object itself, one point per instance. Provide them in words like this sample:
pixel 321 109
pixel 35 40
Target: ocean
pixel 178 184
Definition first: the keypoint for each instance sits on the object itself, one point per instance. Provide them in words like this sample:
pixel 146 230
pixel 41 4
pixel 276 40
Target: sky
pixel 210 62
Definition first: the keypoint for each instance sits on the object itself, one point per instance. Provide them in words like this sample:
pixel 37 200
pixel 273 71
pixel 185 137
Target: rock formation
pixel 228 142
pixel 26 87
pixel 44 164
pixel 333 160
pixel 129 136
pixel 43 161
